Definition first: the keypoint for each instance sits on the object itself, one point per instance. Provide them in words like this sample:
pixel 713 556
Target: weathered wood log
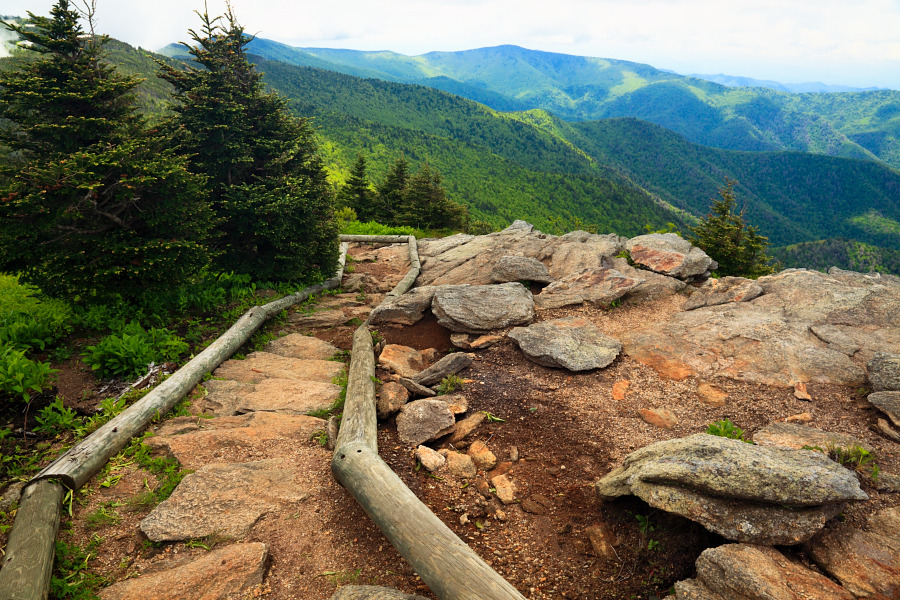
pixel 28 562
pixel 407 282
pixel 452 363
pixel 414 262
pixel 444 562
pixel 359 422
pixel 375 239
pixel 371 592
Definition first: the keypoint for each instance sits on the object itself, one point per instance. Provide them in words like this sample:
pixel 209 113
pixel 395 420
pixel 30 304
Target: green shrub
pixel 19 376
pixel 55 418
pixel 373 228
pixel 128 354
pixel 27 321
pixel 725 428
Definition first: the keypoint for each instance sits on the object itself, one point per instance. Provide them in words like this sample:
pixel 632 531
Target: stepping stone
pixel 297 345
pixel 196 442
pixel 225 572
pixel 262 365
pixel 290 396
pixel 573 343
pixel 222 397
pixel 225 499
pixel 319 319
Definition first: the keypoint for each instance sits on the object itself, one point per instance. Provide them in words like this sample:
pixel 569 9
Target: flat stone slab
pixel 222 573
pixel 222 397
pixel 289 396
pixel 483 308
pixel 796 436
pixel 448 365
pixel 402 360
pixel 424 420
pixel 225 499
pixel 407 309
pixel 723 291
pixel 594 285
pixel 755 573
pixel 196 442
pixel 669 254
pixel 888 403
pixel 867 563
pixel 520 268
pixel 262 365
pixel 297 345
pixel 573 343
pixel 319 319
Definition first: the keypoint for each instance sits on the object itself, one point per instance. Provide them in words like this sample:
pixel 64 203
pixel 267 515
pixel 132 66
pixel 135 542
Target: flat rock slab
pixel 223 396
pixel 796 436
pixel 402 360
pixel 867 563
pixel 573 343
pixel 669 254
pixel 752 572
pixel 261 365
pixel 723 291
pixel 297 345
pixel 884 372
pixel 888 403
pixel 448 365
pixel 467 341
pixel 226 499
pixel 416 389
pixel 391 398
pixel 424 420
pixel 520 268
pixel 483 308
pixel 223 573
pixel 195 442
pixel 289 396
pixel 594 285
pixel 729 468
pixel 319 319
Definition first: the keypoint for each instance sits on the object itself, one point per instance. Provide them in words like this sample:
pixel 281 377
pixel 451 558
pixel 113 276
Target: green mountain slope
pixel 582 88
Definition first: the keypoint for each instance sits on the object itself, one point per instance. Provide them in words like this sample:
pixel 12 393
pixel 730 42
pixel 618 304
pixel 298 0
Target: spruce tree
pixel 724 235
pixel 391 192
pixel 268 185
pixel 92 203
pixel 357 193
pixel 426 205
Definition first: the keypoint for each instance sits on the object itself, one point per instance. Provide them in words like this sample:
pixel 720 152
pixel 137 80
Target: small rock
pixel 537 504
pixel 11 495
pixel 799 418
pixel 888 482
pixel 513 453
pixel 450 364
pixel 482 456
pixel 467 341
pixel 502 468
pixel 888 403
pixel 884 372
pixel 430 459
pixel 482 487
pixel 466 427
pixel 520 268
pixel 458 403
pixel 619 389
pixel 712 395
pixel 464 519
pixel 391 398
pixel 669 254
pixel 402 360
pixel 884 428
pixel 415 389
pixel 331 430
pixel 505 489
pixel 800 391
pixel 429 354
pixel 460 465
pixel 499 515
pixel 424 420
pixel 573 343
pixel 602 540
pixel 659 417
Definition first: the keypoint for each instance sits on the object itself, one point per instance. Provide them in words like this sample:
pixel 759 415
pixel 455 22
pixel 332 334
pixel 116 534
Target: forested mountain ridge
pixel 583 88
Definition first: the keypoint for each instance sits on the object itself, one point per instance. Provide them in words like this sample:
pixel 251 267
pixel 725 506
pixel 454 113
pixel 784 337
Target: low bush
pixel 725 428
pixel 127 354
pixel 20 376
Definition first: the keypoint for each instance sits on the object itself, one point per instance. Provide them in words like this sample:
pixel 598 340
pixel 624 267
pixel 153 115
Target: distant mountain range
pixel 794 88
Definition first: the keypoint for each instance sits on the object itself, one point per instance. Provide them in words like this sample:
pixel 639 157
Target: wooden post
pixel 444 562
pixel 359 423
pixel 28 563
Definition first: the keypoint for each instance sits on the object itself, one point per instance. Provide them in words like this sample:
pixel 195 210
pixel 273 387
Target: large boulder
pixel 669 254
pixel 573 343
pixel 884 372
pixel 580 250
pixel 406 309
pixel 743 492
pixel 594 285
pixel 520 268
pixel 482 308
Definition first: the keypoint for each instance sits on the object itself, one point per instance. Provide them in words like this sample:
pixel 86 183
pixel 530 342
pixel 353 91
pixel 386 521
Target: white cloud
pixel 834 41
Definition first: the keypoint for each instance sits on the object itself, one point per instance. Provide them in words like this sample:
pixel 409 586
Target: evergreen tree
pixel 391 192
pixel 92 203
pixel 426 205
pixel 357 193
pixel 268 185
pixel 726 237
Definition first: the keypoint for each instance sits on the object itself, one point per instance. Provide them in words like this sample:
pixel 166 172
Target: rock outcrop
pixel 573 343
pixel 670 254
pixel 483 308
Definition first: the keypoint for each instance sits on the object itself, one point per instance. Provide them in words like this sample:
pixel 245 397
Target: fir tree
pixel 426 205
pixel 92 203
pixel 727 238
pixel 268 184
pixel 357 193
pixel 391 192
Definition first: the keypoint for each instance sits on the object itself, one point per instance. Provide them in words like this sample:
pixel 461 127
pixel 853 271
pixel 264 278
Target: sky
pixel 836 42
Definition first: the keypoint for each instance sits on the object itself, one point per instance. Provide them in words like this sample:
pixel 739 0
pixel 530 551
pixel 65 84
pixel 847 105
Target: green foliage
pixel 128 353
pixel 855 457
pixel 449 384
pixel 71 578
pixel 839 252
pixel 55 418
pixel 92 202
pixel 268 185
pixel 27 321
pixel 725 237
pixel 373 228
pixel 725 428
pixel 20 376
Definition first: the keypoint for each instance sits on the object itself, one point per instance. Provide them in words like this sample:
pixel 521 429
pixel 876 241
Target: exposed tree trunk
pixel 28 562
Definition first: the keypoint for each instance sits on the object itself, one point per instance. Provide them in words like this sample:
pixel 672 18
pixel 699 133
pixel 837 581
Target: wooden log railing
pixel 26 567
pixel 451 569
